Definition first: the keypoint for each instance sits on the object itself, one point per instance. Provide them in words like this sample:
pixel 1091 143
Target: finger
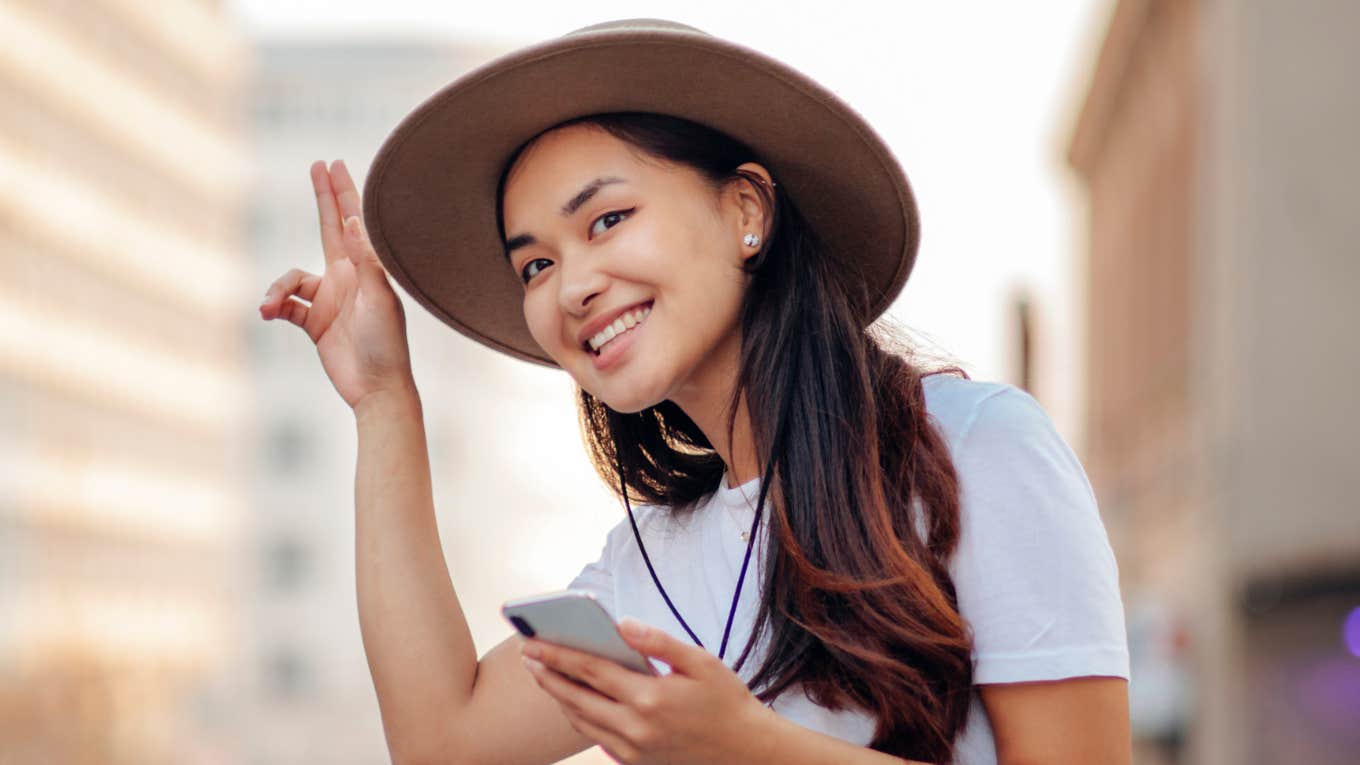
pixel 580 702
pixel 294 282
pixel 613 742
pixel 605 676
pixel 615 745
pixel 295 311
pixel 332 241
pixel 346 195
pixel 366 264
pixel 650 641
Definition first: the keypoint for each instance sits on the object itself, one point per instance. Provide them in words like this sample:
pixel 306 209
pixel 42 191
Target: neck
pixel 705 398
pixel 739 455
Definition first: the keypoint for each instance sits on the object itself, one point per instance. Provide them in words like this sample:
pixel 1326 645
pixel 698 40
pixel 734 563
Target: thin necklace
pixel 732 611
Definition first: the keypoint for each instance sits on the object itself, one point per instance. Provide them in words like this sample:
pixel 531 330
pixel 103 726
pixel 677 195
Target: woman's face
pixel 598 232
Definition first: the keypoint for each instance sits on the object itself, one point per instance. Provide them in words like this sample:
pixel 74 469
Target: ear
pixel 753 208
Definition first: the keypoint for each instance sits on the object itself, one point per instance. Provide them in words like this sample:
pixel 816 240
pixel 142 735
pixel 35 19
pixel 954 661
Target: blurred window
pixel 286 673
pixel 287 561
pixel 288 447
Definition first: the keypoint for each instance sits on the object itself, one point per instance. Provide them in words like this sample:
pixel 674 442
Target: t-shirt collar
pixel 739 497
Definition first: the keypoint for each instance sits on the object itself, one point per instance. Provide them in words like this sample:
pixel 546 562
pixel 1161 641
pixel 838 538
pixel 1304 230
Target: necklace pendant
pixel 745 536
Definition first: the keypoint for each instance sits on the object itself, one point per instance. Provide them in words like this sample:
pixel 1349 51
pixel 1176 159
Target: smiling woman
pixel 647 235
pixel 928 574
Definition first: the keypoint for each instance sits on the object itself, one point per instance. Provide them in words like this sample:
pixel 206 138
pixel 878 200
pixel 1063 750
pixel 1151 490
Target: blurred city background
pixel 1142 211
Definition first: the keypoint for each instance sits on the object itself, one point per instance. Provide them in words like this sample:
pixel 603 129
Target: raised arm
pixel 438 702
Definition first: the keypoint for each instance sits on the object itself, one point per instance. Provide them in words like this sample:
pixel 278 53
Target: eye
pixel 525 275
pixel 608 215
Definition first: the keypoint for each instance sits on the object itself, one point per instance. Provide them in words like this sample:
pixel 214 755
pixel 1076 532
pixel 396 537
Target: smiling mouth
pixel 621 326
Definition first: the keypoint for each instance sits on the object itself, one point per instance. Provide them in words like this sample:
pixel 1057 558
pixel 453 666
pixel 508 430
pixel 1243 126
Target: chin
pixel 630 406
pixel 627 401
pixel 623 395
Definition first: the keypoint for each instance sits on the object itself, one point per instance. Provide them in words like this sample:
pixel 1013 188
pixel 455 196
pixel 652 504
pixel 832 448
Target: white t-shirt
pixel 1034 572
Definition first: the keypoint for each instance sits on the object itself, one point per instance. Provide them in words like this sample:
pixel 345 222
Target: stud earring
pixel 751 240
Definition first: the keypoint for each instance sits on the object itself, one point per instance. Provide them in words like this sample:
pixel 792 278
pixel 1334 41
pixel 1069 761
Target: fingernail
pixel 531 664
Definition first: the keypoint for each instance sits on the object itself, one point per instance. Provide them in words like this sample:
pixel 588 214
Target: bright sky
pixel 977 99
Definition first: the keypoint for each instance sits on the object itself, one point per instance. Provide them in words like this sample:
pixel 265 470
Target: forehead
pixel 559 162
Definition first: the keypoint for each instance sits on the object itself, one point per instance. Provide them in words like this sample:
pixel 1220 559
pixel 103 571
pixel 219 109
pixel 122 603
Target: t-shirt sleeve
pixel 1035 575
pixel 597 577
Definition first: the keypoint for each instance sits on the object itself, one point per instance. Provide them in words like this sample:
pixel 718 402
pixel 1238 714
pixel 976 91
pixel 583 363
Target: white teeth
pixel 622 324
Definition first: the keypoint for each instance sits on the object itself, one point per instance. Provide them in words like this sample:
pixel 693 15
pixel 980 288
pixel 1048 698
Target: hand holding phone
pixel 575 619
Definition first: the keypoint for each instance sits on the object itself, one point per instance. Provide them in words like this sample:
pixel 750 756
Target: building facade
pixel 1216 144
pixel 123 379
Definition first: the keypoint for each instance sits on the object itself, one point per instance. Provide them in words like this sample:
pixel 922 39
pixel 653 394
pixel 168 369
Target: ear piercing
pixel 751 240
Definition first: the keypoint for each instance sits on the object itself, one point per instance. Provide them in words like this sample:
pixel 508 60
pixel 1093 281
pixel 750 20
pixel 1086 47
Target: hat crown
pixel 638 25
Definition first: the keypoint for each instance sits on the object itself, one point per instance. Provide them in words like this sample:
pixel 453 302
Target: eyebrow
pixel 571 206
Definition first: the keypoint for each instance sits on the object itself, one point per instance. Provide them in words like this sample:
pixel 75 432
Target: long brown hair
pixel 860 609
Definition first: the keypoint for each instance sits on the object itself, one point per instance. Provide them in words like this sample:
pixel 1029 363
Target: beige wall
pixel 1135 145
pixel 1283 205
pixel 1217 144
pixel 121 185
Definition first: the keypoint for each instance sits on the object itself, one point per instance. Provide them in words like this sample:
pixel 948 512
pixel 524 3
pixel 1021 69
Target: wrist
pixel 758 735
pixel 386 402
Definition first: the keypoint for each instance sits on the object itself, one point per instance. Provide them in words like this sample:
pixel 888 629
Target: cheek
pixel 543 323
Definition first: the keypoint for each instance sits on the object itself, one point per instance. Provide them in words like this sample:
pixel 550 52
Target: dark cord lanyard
pixel 732 611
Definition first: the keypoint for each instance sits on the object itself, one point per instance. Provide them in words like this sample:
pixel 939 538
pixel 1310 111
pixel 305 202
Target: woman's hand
pixel 352 313
pixel 699 714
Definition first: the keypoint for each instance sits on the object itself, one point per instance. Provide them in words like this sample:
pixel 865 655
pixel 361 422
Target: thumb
pixel 650 641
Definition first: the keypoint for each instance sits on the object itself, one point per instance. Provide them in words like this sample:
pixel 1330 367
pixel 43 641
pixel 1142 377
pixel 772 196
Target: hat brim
pixel 429 198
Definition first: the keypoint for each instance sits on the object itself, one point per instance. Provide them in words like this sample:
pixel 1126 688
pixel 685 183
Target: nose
pixel 579 280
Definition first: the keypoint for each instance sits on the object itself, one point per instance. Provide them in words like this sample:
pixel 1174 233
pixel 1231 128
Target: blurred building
pixel 123 379
pixel 1217 143
pixel 310 696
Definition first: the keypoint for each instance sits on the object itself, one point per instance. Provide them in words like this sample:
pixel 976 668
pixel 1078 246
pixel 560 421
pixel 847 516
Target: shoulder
pixel 1006 449
pixel 960 406
pixel 656 524
pixel 1034 571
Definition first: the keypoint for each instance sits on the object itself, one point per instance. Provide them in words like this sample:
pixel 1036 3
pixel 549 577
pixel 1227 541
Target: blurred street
pixel 1141 211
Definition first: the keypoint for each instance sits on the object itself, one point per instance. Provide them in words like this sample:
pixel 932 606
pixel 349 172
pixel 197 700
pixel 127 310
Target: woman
pixel 930 577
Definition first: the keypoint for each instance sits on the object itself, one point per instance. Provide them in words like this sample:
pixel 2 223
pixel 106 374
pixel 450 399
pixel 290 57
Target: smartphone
pixel 575 619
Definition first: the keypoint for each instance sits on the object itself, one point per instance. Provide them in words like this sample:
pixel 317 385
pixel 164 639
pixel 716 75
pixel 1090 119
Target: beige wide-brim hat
pixel 429 200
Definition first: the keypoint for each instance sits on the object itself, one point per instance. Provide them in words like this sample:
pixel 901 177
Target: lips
pixel 605 320
pixel 618 348
pixel 614 333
